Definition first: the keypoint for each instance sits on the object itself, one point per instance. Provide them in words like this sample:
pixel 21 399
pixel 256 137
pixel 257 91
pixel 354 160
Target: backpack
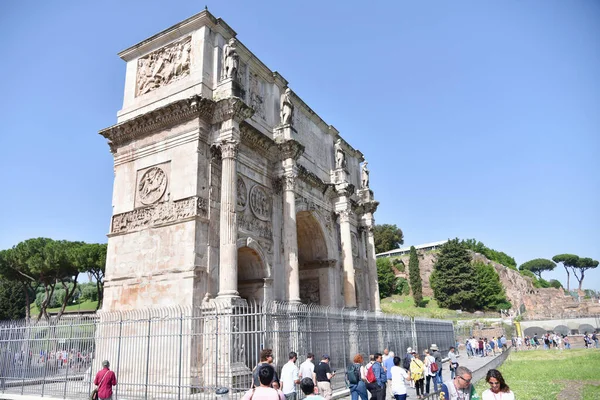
pixel 406 362
pixel 434 367
pixel 353 374
pixel 371 375
pixel 416 373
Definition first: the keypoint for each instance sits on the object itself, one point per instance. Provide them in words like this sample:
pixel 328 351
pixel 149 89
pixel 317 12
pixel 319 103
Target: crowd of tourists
pixel 483 347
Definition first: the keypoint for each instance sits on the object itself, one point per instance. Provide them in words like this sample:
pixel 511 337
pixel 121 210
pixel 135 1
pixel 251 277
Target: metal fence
pixel 186 353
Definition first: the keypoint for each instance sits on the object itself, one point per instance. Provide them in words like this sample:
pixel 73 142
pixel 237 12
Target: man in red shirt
pixel 105 380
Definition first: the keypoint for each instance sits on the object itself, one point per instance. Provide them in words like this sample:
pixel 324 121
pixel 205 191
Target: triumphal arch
pixel 227 186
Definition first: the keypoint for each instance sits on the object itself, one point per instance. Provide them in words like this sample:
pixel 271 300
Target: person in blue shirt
pixel 388 364
pixel 377 388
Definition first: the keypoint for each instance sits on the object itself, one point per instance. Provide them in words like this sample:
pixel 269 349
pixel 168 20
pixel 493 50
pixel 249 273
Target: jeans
pixel 438 379
pixel 360 389
pixel 400 396
pixel 377 392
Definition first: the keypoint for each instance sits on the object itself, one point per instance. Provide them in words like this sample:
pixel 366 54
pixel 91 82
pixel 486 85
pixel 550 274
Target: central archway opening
pixel 252 274
pixel 312 259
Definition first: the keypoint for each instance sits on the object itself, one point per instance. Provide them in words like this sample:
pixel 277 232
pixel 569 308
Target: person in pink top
pixel 105 380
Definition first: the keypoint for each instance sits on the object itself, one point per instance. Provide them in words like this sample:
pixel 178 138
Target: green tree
pixel 13 268
pixel 490 293
pixel 387 237
pixel 385 277
pixel 12 300
pixel 583 264
pixel 491 254
pixel 452 279
pixel 569 261
pixel 538 265
pixel 414 275
pixel 91 258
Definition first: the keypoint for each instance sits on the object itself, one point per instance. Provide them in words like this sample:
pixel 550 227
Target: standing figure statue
pixel 340 156
pixel 286 107
pixel 231 60
pixel 364 176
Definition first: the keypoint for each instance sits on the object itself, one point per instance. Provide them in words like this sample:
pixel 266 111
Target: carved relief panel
pixel 261 203
pixel 257 95
pixel 163 66
pixel 309 291
pixel 242 194
pixel 152 185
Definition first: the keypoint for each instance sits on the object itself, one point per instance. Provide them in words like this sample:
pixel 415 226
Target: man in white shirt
pixel 307 368
pixel 289 377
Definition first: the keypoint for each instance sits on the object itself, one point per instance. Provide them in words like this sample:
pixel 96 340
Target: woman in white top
pixel 498 390
pixel 399 375
pixel 428 359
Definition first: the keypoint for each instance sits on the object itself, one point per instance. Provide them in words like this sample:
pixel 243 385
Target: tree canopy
pixel 491 254
pixel 415 277
pixel 568 261
pixel 537 266
pixel 490 293
pixel 583 264
pixel 45 263
pixel 452 279
pixel 387 237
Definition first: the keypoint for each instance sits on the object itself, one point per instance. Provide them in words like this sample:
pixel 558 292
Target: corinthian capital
pixel 289 181
pixel 290 149
pixel 344 215
pixel 229 148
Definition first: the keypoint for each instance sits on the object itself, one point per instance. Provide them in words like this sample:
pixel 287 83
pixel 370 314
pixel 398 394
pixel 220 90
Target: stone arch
pixel 315 259
pixel 586 328
pixel 254 271
pixel 533 330
pixel 562 329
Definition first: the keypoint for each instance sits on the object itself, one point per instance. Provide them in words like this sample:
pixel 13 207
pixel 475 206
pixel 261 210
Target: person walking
pixel 399 378
pixel 377 388
pixel 307 368
pixel 453 362
pixel 323 375
pixel 105 380
pixel 460 387
pixel 289 377
pixel 435 352
pixel 356 382
pixel 264 391
pixel 417 368
pixel 428 360
pixel 266 358
pixel 498 390
pixel 308 388
pixel 388 363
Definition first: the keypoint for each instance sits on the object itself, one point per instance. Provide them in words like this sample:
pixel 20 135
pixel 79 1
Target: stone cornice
pixel 161 118
pixel 312 179
pixel 366 207
pixel 256 140
pixel 231 108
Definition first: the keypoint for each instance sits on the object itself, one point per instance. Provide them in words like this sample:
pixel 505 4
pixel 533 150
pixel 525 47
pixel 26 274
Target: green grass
pixel 405 305
pixel 83 306
pixel 537 375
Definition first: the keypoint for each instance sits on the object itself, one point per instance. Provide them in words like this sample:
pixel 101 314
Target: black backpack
pixel 406 362
pixel 353 374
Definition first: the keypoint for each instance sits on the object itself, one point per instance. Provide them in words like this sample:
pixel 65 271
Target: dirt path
pixel 573 390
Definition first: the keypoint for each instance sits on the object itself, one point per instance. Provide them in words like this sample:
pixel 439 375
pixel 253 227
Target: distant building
pixel 406 249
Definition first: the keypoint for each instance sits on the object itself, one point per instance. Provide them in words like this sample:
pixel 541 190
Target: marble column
pixel 290 150
pixel 290 237
pixel 372 265
pixel 348 260
pixel 228 221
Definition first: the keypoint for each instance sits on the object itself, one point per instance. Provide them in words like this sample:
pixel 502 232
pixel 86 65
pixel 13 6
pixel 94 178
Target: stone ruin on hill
pixel 538 302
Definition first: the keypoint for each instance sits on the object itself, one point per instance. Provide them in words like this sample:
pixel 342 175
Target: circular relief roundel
pixel 152 186
pixel 260 203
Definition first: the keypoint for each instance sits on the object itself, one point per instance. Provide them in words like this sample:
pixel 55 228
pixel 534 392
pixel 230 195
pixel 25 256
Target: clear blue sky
pixel 479 119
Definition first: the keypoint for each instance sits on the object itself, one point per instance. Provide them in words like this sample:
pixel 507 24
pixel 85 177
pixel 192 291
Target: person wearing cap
pixel 435 353
pixel 105 380
pixel 323 376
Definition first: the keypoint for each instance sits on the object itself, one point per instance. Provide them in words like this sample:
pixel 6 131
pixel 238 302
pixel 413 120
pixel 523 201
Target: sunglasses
pixel 494 383
pixel 466 380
